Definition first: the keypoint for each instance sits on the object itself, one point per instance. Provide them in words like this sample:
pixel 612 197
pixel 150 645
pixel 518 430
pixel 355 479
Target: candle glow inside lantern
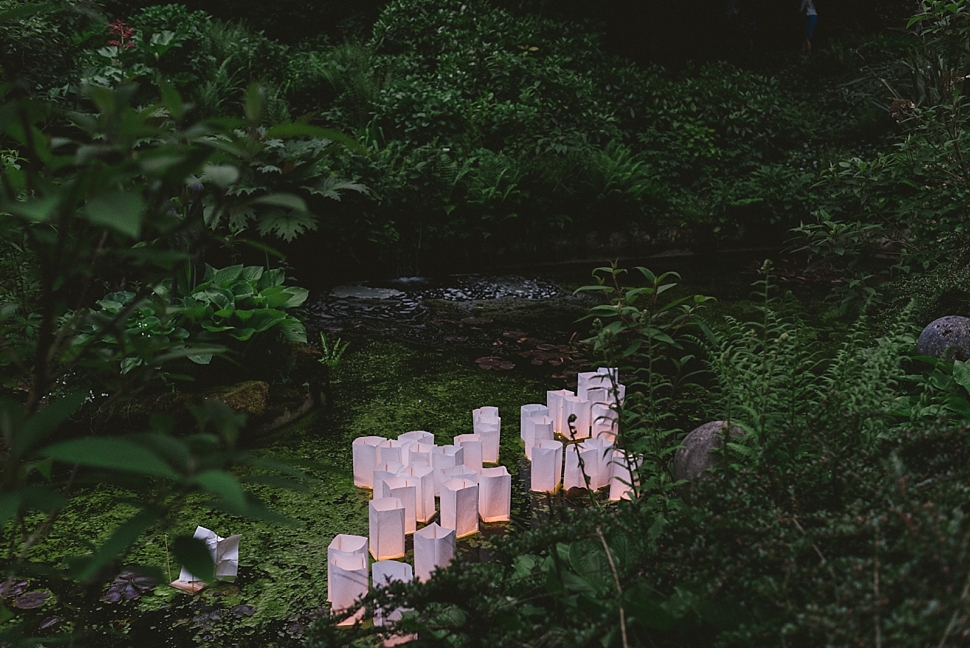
pixel 424 477
pixel 580 465
pixel 343 544
pixel 445 457
pixel 386 528
pixel 419 454
pixel 490 430
pixel 536 429
pixel 603 459
pixel 417 436
pixel 394 450
pixel 459 506
pixel 365 460
pixel 349 579
pixel 573 406
pixel 546 466
pixel 495 495
pixel 529 411
pixel 382 472
pixel 554 403
pixel 471 444
pixel 405 489
pixel 624 476
pixel 434 547
pixel 383 573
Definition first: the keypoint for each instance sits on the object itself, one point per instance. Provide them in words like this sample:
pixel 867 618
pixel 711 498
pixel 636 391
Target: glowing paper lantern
pixel 225 555
pixel 405 489
pixel 417 436
pixel 489 428
pixel 434 547
pixel 554 404
pixel 419 454
pixel 349 579
pixel 546 465
pixel 386 528
pixel 383 573
pixel 580 464
pixel 394 451
pixel 495 495
pixel 365 460
pixel 536 429
pixel 424 477
pixel 459 506
pixel 382 472
pixel 530 411
pixel 459 472
pixel 604 421
pixel 471 445
pixel 624 476
pixel 445 457
pixel 484 412
pixel 603 451
pixel 343 544
pixel 578 407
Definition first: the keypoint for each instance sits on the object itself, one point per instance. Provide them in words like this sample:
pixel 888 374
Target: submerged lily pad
pixel 494 362
pixel 31 600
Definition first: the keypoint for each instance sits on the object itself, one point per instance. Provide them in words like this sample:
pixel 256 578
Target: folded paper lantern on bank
pixel 385 471
pixel 459 472
pixel 554 404
pixel 383 573
pixel 575 417
pixel 405 489
pixel 349 582
pixel 424 478
pixel 471 445
pixel 434 547
pixel 365 460
pixel 417 436
pixel 536 429
pixel 580 465
pixel 459 506
pixel 488 412
pixel 529 411
pixel 495 495
pixel 419 454
pixel 488 427
pixel 604 421
pixel 343 544
pixel 599 395
pixel 546 465
pixel 386 528
pixel 445 457
pixel 624 476
pixel 394 451
pixel 602 474
pixel 225 556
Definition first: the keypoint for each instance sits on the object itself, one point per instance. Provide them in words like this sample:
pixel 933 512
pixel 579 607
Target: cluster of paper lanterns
pixel 406 474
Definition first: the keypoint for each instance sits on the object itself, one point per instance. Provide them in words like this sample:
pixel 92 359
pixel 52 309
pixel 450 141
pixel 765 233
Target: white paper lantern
pixel 349 579
pixel 445 457
pixel 576 474
pixel 424 478
pixel 578 407
pixel 459 472
pixel 386 528
pixel 489 428
pixel 385 471
pixel 471 444
pixel 536 429
pixel 603 422
pixel 434 547
pixel 484 412
pixel 459 506
pixel 603 455
pixel 529 411
pixel 343 544
pixel 224 553
pixel 585 380
pixel 601 395
pixel 405 489
pixel 554 403
pixel 495 495
pixel 383 573
pixel 365 459
pixel 546 466
pixel 417 436
pixel 394 451
pixel 624 476
pixel 419 454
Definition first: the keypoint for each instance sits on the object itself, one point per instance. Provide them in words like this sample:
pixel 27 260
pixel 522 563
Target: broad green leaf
pixel 37 209
pixel 200 358
pixel 45 421
pixel 194 556
pixel 271 278
pixel 117 543
pixel 226 276
pixel 287 200
pixel 42 498
pixel 264 319
pixel 242 334
pixel 293 330
pixel 111 454
pixel 121 211
pixel 297 296
pixel 252 273
pixel 306 130
pixel 171 100
pixel 224 485
pixel 221 174
pixel 9 503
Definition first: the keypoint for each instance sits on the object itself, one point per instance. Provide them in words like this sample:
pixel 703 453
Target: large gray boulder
pixel 698 450
pixel 950 332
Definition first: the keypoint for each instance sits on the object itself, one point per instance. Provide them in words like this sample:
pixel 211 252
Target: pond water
pixel 424 353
